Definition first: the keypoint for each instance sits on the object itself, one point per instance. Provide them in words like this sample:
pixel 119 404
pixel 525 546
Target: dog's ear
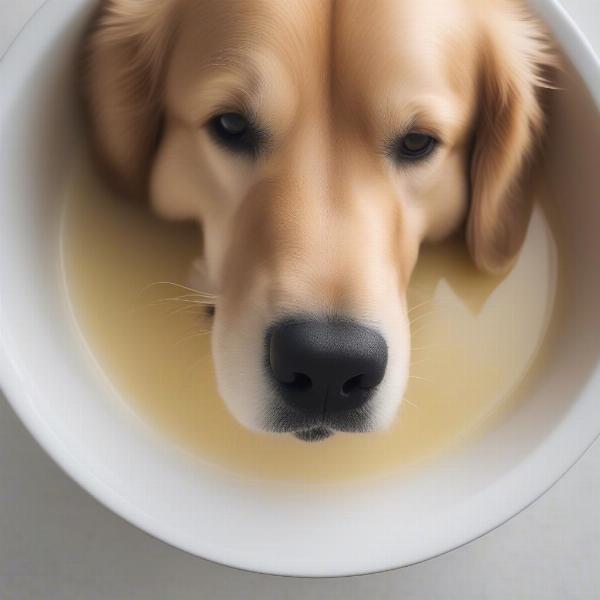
pixel 515 59
pixel 121 75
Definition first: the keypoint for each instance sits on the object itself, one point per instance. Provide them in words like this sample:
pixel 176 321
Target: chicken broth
pixel 475 338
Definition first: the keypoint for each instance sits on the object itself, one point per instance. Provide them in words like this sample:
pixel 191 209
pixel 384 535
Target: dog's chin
pixel 314 434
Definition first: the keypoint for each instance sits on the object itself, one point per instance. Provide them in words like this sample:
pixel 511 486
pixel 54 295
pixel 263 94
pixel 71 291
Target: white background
pixel 58 543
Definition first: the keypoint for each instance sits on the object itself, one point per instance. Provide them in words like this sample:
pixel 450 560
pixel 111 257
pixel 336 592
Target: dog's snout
pixel 326 366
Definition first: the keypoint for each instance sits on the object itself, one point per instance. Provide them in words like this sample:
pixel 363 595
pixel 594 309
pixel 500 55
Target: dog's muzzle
pixel 324 373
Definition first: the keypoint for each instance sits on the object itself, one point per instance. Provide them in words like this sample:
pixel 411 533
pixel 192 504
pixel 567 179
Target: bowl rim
pixel 583 57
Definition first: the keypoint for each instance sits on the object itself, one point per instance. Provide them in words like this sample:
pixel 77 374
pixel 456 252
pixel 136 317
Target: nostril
pixel 323 366
pixel 353 384
pixel 300 382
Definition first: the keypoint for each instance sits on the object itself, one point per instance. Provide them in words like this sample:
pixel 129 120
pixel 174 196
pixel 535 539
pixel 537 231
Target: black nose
pixel 326 366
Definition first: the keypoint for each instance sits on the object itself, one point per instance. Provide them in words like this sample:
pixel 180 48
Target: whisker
pixel 191 336
pixel 177 285
pixel 439 308
pixel 165 301
pixel 185 300
pixel 422 328
pixel 418 348
pixel 413 308
pixel 180 310
pixel 186 305
pixel 407 401
pixel 428 315
pixel 188 296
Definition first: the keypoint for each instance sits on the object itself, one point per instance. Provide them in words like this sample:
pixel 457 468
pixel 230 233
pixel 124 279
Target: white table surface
pixel 58 543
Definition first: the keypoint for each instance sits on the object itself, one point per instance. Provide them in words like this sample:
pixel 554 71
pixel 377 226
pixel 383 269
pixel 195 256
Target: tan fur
pixel 123 67
pixel 514 56
pixel 323 221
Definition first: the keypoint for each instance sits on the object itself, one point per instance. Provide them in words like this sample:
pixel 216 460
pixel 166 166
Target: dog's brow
pixel 224 87
pixel 257 85
pixel 439 116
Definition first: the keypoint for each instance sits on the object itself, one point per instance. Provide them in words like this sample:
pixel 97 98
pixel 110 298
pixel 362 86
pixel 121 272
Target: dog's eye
pixel 236 133
pixel 414 146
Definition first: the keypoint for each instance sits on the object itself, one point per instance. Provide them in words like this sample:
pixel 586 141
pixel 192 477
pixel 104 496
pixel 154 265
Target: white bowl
pixel 315 530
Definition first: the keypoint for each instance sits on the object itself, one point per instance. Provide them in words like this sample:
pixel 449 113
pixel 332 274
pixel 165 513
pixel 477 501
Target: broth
pixel 474 337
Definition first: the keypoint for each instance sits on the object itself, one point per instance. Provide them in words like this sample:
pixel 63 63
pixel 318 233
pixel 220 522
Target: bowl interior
pixel 279 528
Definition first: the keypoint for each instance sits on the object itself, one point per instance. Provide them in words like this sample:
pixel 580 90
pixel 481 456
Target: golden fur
pixel 322 222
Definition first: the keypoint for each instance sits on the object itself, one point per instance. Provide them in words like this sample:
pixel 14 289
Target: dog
pixel 318 144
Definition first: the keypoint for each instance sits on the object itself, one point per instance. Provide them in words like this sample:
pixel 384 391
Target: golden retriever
pixel 318 143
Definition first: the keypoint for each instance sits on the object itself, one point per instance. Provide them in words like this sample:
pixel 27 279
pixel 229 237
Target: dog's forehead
pixel 423 44
pixel 302 40
pixel 237 52
pixel 230 31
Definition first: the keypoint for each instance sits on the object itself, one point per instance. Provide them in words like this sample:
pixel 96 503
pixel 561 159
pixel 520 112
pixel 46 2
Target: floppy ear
pixel 121 72
pixel 514 56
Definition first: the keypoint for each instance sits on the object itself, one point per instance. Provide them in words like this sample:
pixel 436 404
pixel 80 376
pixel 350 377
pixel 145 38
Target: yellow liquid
pixel 474 339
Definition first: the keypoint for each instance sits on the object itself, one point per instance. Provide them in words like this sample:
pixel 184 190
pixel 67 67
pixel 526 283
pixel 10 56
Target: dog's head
pixel 319 144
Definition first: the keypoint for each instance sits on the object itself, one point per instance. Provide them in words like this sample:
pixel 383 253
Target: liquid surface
pixel 474 339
